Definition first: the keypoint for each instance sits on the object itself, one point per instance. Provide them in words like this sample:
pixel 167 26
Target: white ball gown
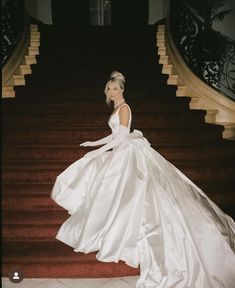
pixel 131 204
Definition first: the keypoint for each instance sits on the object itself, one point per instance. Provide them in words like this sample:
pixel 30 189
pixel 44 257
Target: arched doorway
pixel 70 13
pixel 130 13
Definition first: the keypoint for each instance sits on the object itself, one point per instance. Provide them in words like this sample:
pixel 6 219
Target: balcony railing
pixel 13 23
pixel 209 54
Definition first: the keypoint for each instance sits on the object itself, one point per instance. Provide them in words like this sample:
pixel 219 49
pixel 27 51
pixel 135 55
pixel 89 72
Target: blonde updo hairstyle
pixel 114 77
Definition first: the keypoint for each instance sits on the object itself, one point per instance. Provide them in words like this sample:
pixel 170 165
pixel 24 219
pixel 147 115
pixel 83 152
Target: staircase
pixel 62 106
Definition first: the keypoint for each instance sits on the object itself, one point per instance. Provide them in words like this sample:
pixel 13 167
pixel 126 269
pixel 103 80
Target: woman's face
pixel 114 91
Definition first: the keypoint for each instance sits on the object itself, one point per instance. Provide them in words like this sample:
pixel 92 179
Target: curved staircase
pixel 220 109
pixel 20 62
pixel 62 106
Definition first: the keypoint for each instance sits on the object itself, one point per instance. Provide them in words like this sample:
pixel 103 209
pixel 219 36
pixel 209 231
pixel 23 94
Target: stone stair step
pixel 47 135
pixel 8 92
pixel 34 217
pixel 153 119
pixel 220 150
pixel 215 186
pixel 57 260
pixel 86 101
pixel 46 172
pixel 42 203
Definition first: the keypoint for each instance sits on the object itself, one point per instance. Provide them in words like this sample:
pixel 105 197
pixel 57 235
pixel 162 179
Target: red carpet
pixel 62 106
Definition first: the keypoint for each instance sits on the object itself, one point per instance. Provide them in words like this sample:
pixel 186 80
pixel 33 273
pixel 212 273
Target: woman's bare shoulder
pixel 125 108
pixel 124 114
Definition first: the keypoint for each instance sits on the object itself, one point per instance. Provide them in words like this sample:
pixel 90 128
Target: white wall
pixel 158 10
pixel 40 9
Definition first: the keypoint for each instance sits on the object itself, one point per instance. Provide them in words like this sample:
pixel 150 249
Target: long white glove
pixel 98 142
pixel 117 139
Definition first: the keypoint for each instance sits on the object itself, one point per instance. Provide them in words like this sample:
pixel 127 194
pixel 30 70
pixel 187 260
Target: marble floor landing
pixel 123 282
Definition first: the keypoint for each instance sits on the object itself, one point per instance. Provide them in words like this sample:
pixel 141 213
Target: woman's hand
pixel 87 143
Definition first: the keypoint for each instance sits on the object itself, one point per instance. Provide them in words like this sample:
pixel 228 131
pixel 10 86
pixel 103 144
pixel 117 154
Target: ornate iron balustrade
pixel 13 22
pixel 209 54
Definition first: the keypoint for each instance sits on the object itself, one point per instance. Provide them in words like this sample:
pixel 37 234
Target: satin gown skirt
pixel 131 204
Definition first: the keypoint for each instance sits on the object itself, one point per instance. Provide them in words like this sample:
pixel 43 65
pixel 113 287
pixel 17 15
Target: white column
pixel 157 10
pixel 44 11
pixel 40 9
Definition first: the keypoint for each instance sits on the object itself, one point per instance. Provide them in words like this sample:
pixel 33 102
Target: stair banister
pixel 18 51
pixel 196 76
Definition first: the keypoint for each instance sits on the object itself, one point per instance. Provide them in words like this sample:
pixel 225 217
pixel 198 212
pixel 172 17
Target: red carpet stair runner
pixel 63 105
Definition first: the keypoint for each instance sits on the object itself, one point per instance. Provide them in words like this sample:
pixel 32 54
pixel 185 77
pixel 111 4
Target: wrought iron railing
pixel 209 54
pixel 13 23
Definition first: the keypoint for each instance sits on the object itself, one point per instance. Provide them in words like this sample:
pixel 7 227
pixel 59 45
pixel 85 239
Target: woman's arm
pixel 118 137
pixel 124 115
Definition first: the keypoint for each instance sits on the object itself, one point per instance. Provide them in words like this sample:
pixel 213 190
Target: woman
pixel 131 204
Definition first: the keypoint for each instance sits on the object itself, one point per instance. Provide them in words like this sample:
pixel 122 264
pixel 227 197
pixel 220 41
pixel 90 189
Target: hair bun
pixel 118 75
